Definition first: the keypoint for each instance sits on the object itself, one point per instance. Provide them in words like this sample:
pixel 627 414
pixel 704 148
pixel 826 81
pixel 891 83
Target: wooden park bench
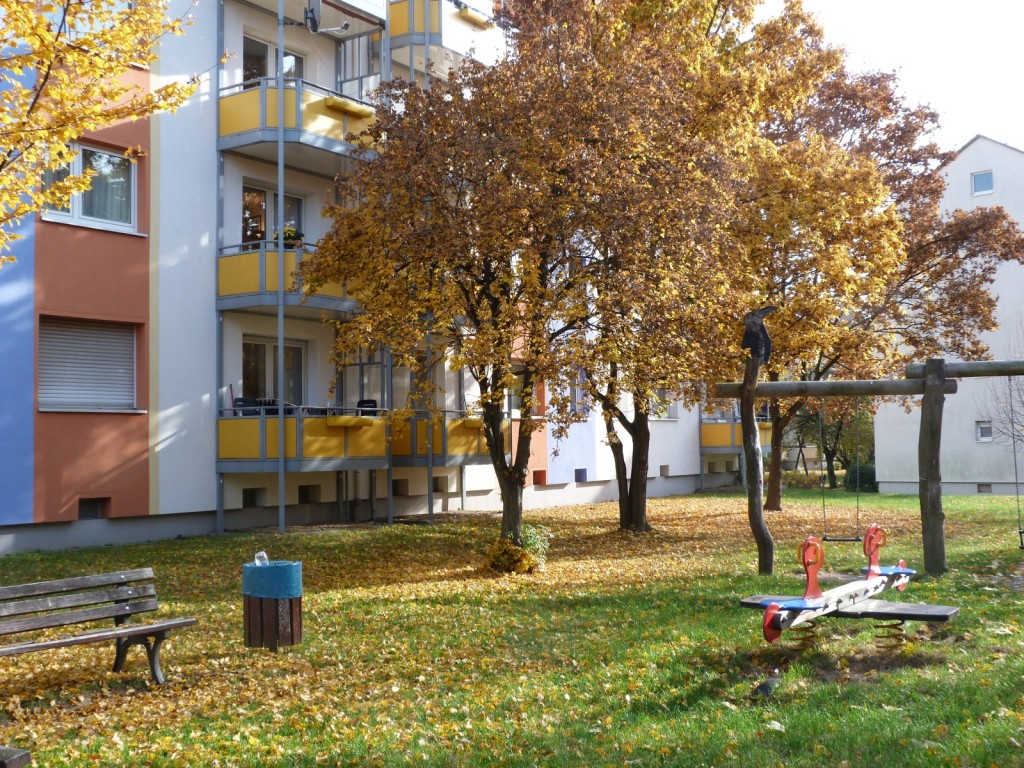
pixel 81 601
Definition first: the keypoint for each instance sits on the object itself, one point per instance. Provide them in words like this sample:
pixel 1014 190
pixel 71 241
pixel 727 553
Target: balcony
pixel 334 439
pixel 247 278
pixel 458 441
pixel 317 122
pixel 315 439
pixel 727 436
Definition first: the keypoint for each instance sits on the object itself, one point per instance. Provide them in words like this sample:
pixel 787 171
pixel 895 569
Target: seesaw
pixel 850 600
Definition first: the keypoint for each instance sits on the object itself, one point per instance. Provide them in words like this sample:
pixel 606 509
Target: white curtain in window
pixel 109 197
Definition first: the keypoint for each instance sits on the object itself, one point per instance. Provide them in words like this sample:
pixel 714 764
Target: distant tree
pixel 915 279
pixel 62 74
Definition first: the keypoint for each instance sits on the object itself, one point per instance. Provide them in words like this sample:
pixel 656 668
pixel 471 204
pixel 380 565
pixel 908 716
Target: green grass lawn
pixel 627 650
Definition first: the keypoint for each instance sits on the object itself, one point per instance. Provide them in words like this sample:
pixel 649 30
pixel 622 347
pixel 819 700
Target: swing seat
pixel 826 537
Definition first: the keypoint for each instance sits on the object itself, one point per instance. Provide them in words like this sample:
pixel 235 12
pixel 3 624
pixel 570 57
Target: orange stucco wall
pixel 97 275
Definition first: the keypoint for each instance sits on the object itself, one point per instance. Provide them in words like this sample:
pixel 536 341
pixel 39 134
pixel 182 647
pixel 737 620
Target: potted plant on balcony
pixel 292 237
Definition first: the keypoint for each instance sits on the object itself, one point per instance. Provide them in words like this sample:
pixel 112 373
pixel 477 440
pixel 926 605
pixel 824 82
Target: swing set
pixel 933 381
pixel 857 480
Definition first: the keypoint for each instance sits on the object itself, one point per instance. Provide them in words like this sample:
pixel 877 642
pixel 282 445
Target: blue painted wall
pixel 17 378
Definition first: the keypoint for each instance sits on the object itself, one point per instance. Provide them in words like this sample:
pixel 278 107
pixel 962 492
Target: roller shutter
pixel 85 365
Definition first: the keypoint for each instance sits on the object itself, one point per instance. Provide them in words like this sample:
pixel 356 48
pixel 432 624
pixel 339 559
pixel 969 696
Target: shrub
pixel 797 479
pixel 862 476
pixel 503 555
pixel 536 540
pixel 506 557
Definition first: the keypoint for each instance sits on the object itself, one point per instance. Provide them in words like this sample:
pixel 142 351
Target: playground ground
pixel 626 650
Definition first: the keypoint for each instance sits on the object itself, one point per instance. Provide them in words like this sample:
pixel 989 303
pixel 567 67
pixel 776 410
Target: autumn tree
pixel 62 67
pixel 672 93
pixel 892 277
pixel 460 226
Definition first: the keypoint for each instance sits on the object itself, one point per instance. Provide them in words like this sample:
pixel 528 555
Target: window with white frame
pixel 982 183
pixel 983 431
pixel 259 369
pixel 257 58
pixel 86 365
pixel 109 203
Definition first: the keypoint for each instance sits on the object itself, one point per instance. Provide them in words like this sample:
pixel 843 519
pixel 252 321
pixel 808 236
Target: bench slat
pixel 100 635
pixel 15 591
pixel 66 618
pixel 77 599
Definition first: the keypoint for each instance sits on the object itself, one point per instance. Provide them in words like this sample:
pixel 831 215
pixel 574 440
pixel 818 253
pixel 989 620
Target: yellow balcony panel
pixel 321 439
pixel 398 18
pixel 401 440
pixel 238 438
pixel 423 429
pixel 289 107
pixel 465 437
pixel 240 112
pixel 290 262
pixel 238 274
pixel 289 438
pixel 368 441
pixel 320 119
pixel 350 421
pixel 349 106
pixel 332 290
pixel 720 435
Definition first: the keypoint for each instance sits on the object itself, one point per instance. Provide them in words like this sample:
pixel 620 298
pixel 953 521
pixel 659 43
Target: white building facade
pixel 973 459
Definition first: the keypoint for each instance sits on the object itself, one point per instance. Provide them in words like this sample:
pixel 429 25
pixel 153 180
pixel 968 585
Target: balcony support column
pixel 279 217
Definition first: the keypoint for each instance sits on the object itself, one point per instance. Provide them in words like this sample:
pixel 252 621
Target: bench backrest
pixel 62 602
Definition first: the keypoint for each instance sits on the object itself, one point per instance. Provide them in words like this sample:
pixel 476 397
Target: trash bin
pixel 272 604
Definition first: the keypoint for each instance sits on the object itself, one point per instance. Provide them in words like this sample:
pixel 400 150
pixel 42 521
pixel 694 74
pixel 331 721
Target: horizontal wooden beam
pixel 832 388
pixel 972 369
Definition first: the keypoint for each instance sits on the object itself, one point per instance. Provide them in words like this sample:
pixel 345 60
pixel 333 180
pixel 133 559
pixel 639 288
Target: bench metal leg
pixel 152 653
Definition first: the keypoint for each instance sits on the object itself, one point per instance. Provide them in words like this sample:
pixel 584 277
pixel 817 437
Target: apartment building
pixel 164 374
pixel 973 459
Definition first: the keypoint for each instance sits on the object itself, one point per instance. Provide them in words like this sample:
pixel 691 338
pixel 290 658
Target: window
pixel 86 366
pixel 256 214
pixel 578 401
pixel 259 370
pixel 93 509
pixel 256 58
pixel 982 183
pixel 983 431
pixel 664 405
pixel 109 203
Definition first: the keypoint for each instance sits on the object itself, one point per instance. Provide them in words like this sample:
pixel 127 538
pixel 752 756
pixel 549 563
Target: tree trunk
pixel 641 434
pixel 779 421
pixel 930 487
pixel 511 476
pixel 830 469
pixel 621 475
pixel 512 512
pixel 755 470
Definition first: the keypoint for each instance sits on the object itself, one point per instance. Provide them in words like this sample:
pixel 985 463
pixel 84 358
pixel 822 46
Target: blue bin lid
pixel 277 579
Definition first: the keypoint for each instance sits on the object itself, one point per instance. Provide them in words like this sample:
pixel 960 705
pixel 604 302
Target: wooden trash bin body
pixel 272 604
